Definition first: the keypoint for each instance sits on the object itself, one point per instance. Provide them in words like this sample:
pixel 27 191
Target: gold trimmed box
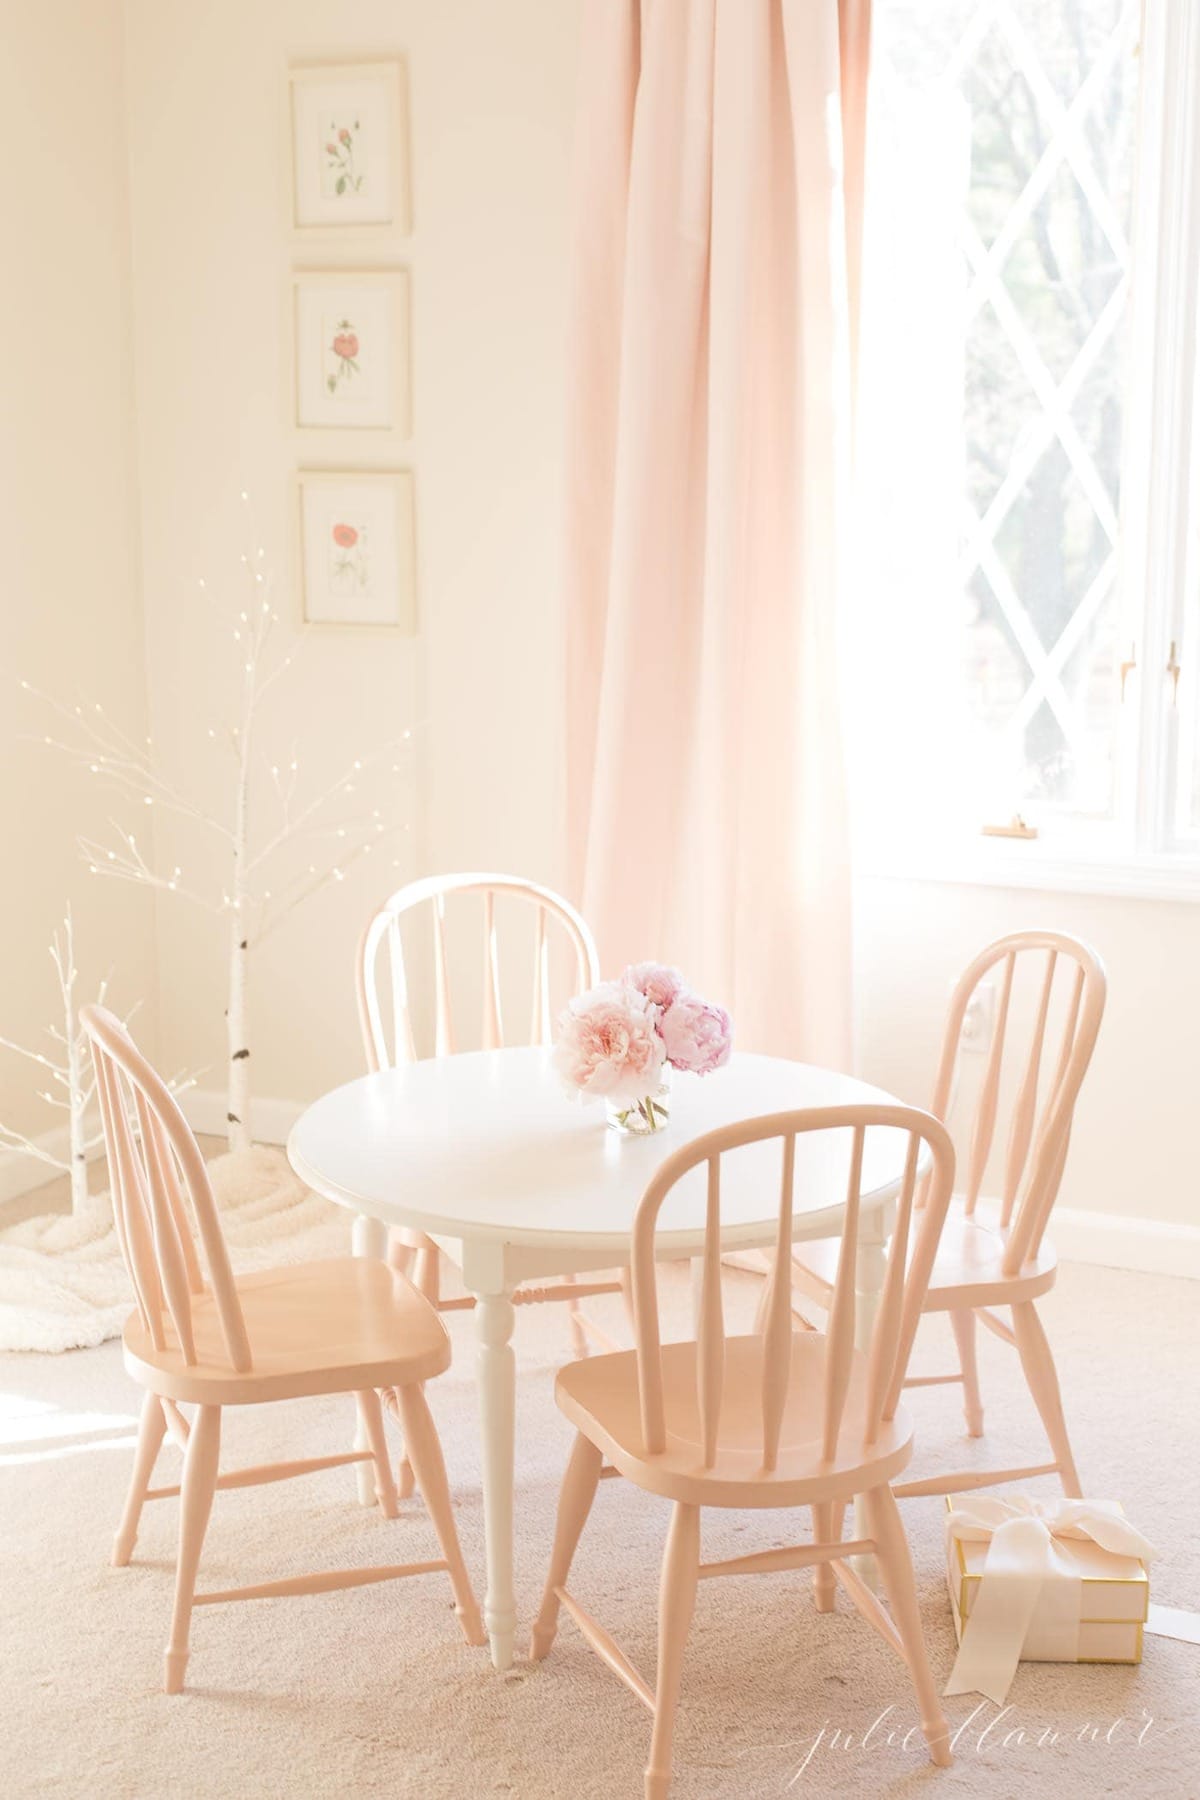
pixel 1114 1604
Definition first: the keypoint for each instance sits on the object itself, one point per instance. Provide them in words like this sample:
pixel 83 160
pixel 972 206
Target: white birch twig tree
pixel 251 844
pixel 70 1075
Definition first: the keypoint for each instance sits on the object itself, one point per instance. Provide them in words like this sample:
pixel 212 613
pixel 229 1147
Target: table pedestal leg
pixel 497 1419
pixel 870 1270
pixel 368 1238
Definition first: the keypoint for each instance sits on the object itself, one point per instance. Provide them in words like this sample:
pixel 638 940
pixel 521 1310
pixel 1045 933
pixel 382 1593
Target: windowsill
pixel 1037 865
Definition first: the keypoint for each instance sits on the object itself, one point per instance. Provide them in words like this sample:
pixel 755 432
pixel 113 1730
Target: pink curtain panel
pixel 720 158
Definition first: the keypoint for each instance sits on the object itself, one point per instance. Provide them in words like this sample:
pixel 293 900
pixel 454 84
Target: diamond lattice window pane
pixel 1001 410
pixel 1046 234
pixel 1068 41
pixel 1048 762
pixel 914 42
pixel 996 672
pixel 1096 415
pixel 1051 545
pixel 1022 148
pixel 1108 123
pixel 1007 137
pixel 1061 273
pixel 1093 687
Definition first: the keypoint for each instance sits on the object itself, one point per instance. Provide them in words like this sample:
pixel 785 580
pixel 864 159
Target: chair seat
pixel 968 1269
pixel 320 1328
pixel 600 1397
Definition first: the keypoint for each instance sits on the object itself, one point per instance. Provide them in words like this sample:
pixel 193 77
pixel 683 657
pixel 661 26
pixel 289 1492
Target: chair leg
pixel 425 1450
pixel 405 1481
pixel 579 1337
pixel 407 1258
pixel 427 1279
pixel 151 1432
pixel 574 1504
pixel 627 1298
pixel 676 1604
pixel 963 1324
pixel 199 1483
pixel 760 1309
pixel 370 1411
pixel 824 1579
pixel 400 1254
pixel 1040 1373
pixel 896 1570
pixel 427 1275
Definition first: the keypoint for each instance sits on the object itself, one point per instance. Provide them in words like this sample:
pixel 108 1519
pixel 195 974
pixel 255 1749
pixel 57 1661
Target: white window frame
pixel 1141 852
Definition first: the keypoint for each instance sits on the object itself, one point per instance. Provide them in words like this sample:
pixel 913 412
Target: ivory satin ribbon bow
pixel 1025 1566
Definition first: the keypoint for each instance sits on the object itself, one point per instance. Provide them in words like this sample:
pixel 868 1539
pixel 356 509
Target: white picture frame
pixel 348 130
pixel 357 549
pixel 351 351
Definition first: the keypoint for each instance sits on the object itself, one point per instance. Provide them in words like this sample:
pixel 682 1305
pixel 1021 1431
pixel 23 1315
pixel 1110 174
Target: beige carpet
pixel 373 1692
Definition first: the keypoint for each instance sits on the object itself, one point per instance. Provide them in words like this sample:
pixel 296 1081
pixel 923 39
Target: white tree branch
pixel 33 1055
pixel 347 779
pixel 16 1140
pixel 109 752
pixel 128 864
pixel 308 884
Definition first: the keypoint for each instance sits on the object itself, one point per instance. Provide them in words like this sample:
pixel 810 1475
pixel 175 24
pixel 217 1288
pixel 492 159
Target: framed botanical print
pixel 351 336
pixel 357 551
pixel 349 132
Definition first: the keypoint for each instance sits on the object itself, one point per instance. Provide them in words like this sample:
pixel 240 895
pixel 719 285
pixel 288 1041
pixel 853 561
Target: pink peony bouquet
pixel 615 1042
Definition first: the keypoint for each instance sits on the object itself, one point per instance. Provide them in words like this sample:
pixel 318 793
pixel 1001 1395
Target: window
pixel 1028 640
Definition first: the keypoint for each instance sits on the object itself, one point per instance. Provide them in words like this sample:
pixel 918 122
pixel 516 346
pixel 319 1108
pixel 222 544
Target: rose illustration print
pixel 343 351
pixel 342 170
pixel 349 566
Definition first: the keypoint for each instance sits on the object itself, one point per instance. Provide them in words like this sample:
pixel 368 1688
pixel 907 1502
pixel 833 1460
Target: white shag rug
pixel 62 1281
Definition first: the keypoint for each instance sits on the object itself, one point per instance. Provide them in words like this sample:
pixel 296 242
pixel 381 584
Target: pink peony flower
pixel 697 1035
pixel 607 1046
pixel 661 984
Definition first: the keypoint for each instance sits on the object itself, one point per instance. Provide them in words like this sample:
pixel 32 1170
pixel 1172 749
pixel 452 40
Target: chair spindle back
pixel 904 1286
pixel 382 939
pixel 153 1158
pixel 1043 1104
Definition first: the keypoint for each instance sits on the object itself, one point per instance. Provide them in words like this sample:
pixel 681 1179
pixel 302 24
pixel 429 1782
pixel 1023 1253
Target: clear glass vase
pixel 638 1118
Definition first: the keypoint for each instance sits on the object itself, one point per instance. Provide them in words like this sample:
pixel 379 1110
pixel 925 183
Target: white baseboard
pixel 207 1112
pixel 1116 1241
pixel 1152 1246
pixel 21 1173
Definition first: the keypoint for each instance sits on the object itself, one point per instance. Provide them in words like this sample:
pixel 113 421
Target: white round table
pixel 485 1153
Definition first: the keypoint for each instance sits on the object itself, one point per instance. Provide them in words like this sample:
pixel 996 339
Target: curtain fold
pixel 707 468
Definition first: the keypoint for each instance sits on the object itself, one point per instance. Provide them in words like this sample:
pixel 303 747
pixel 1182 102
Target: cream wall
pixel 491 99
pixel 70 619
pixel 204 319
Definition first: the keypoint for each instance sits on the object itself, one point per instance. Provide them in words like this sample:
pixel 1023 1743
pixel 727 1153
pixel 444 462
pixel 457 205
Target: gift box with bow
pixel 1041 1581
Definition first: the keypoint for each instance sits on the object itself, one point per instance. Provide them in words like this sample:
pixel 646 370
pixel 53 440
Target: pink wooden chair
pixel 1011 1263
pixel 385 1049
pixel 781 1418
pixel 201 1336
